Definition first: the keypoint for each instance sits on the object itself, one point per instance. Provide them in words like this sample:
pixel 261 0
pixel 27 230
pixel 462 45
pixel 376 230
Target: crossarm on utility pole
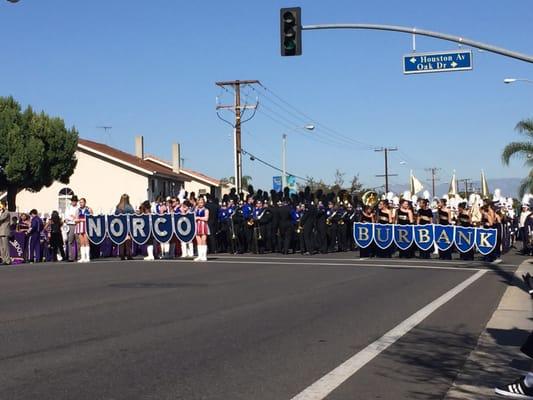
pixel 416 31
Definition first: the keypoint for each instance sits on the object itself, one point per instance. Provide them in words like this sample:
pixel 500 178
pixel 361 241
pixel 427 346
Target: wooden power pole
pixel 237 109
pixel 386 175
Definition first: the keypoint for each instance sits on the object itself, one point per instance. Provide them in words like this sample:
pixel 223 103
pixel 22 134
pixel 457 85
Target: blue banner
pixel 140 228
pixel 363 234
pixel 426 237
pixel 486 240
pixel 96 228
pixel 185 227
pixel 403 236
pixel 444 236
pixel 117 228
pixel 465 238
pixel 162 227
pixel 383 235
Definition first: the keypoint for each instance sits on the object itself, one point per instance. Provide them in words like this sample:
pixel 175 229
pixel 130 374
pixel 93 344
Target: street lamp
pixel 512 80
pixel 309 127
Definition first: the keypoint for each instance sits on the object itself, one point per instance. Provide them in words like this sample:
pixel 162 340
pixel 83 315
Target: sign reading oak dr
pixel 419 63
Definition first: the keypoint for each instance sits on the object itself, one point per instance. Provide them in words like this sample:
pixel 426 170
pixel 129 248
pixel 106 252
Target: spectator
pixel 124 207
pixel 5 232
pixel 56 238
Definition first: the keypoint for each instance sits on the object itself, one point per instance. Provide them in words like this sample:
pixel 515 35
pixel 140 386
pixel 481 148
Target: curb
pixel 497 358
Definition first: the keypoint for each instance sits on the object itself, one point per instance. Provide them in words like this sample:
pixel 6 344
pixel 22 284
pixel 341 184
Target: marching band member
pixel 522 228
pixel 146 208
pixel 464 219
pixel 488 220
pixel 286 220
pixel 81 231
pixel 331 226
pixel 424 217
pixel 202 229
pixel 384 216
pixel 444 218
pixel 187 249
pixel 404 216
pixel 368 216
pixel 247 211
pixel 34 237
pixel 224 222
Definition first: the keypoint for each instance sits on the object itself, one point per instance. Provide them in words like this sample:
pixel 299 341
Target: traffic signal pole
pixel 416 31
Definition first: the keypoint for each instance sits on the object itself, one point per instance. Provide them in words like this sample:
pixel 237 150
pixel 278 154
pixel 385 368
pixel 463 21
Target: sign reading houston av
pixel 425 237
pixel 419 63
pixel 141 227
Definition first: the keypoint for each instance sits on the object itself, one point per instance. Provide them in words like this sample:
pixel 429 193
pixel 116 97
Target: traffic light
pixel 291 31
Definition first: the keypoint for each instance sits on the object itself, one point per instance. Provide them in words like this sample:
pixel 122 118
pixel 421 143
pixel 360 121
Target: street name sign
pixel 420 63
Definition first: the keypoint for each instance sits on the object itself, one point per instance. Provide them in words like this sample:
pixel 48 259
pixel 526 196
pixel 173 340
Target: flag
pixel 484 186
pixel 415 185
pixel 452 191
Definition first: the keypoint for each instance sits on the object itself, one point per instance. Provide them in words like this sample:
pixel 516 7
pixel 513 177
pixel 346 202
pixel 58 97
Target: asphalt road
pixel 237 328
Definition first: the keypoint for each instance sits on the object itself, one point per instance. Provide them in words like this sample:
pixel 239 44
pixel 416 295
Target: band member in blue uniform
pixel 444 217
pixel 258 244
pixel 298 244
pixel 225 231
pixel 404 216
pixel 247 211
pixel 34 237
pixel 424 217
pixel 308 221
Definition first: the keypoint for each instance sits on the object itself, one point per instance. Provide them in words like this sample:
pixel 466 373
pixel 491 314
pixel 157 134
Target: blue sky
pixel 149 67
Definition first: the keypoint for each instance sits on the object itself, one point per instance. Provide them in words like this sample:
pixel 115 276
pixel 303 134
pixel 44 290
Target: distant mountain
pixel 507 186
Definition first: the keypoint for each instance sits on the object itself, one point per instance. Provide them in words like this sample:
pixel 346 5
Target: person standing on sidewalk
pixel 5 232
pixel 71 214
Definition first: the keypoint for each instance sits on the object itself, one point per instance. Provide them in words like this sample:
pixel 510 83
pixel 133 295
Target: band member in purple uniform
pixel 34 237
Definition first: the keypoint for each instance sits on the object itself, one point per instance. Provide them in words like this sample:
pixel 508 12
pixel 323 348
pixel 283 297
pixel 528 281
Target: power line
pixel 268 164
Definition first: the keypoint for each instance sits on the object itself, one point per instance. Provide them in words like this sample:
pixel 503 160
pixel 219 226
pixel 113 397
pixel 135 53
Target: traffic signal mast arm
pixel 416 31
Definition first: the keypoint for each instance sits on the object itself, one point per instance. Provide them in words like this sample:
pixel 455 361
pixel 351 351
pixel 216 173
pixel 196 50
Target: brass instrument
pixel 341 220
pixel 329 219
pixel 233 236
pixel 370 198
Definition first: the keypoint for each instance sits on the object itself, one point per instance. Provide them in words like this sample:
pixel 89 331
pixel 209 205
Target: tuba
pixel 370 198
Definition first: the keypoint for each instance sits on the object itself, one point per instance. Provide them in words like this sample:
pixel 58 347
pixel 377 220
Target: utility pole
pixel 237 109
pixel 434 178
pixel 386 150
pixel 468 184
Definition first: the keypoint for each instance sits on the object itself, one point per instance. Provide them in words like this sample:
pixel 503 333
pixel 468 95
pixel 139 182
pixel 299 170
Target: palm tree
pixel 522 150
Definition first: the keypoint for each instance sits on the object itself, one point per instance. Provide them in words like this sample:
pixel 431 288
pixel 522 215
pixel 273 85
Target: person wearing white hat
pixel 522 227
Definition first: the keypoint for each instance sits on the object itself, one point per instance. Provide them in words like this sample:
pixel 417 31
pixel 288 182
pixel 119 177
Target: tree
pixel 356 186
pixel 523 150
pixel 338 181
pixel 246 180
pixel 35 150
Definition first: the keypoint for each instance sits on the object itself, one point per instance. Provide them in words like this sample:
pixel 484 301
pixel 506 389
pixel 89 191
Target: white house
pixel 104 173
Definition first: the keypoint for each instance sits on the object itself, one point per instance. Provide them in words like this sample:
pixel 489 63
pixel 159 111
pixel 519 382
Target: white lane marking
pixel 332 380
pixel 296 257
pixel 310 263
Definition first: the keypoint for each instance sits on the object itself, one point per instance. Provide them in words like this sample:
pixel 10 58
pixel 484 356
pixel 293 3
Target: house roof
pixel 188 172
pixel 128 160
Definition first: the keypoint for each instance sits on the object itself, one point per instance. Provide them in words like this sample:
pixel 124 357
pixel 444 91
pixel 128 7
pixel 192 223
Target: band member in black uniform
pixel 212 206
pixel 331 226
pixel 404 216
pixel 444 218
pixel 308 223
pixel 489 219
pixel 224 233
pixel 424 217
pixel 464 219
pixel 321 229
pixel 341 219
pixel 368 216
pixel 266 226
pixel 236 223
pixel 285 226
pixel 384 216
pixel 351 218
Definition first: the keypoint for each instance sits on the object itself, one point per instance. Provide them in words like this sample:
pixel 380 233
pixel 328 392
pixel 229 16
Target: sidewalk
pixel 497 358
